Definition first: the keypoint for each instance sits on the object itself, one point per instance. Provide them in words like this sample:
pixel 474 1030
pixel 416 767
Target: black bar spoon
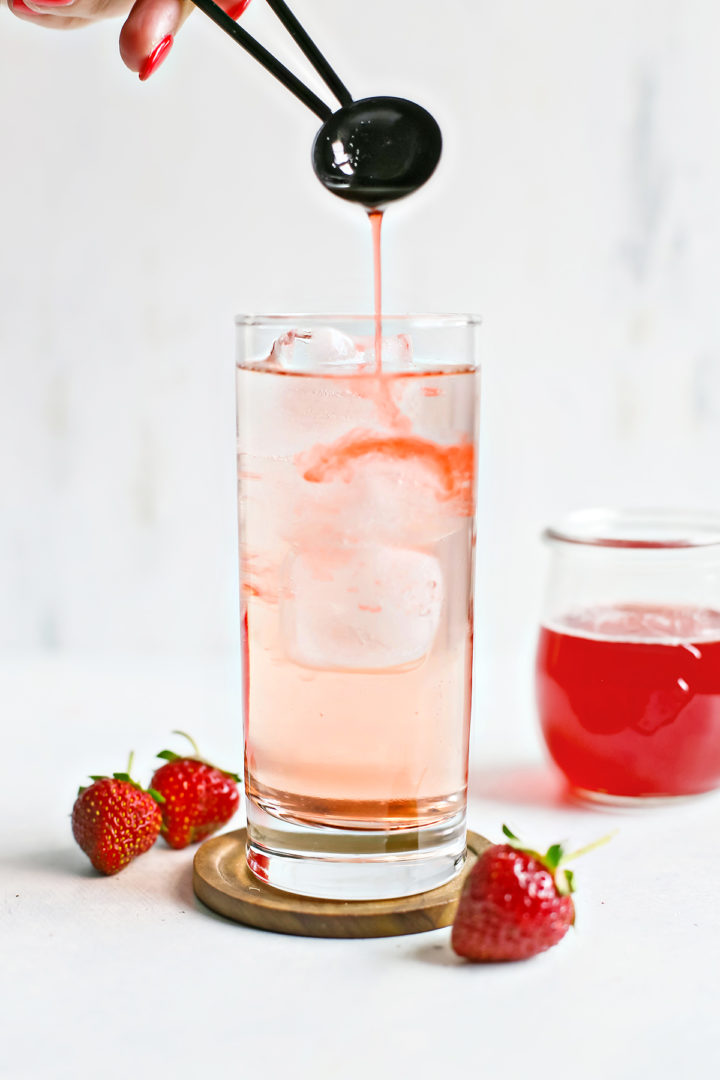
pixel 372 151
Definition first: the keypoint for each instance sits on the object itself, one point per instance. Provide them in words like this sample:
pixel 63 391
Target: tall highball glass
pixel 357 540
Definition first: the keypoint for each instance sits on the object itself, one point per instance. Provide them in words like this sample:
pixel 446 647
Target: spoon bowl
pixel 377 150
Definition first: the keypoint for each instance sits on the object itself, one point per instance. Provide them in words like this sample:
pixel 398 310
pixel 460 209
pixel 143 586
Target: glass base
pixel 604 800
pixel 345 864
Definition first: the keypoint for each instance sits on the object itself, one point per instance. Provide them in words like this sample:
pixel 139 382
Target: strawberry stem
pixel 170 755
pixel 130 763
pixel 191 741
pixel 590 847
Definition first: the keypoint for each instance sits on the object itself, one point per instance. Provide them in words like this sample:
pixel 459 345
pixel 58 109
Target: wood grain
pixel 223 882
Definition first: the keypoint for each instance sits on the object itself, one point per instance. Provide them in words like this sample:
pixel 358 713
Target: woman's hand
pixel 147 34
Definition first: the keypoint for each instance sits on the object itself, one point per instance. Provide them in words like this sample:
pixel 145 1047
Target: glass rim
pixel 639 529
pixel 420 319
pixel 457 331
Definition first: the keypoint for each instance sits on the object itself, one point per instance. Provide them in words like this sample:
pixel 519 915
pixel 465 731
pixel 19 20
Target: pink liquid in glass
pixel 356 547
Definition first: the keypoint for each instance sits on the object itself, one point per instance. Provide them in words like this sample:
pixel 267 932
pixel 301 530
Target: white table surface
pixel 132 976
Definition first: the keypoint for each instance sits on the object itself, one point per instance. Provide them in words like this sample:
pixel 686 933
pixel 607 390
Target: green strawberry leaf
pixel 96 778
pixel 553 856
pixel 510 835
pixel 168 755
pixel 232 775
pixel 122 776
pixel 563 882
pixel 156 795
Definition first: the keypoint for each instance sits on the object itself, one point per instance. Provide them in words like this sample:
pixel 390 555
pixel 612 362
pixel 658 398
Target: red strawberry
pixel 114 820
pixel 516 903
pixel 199 798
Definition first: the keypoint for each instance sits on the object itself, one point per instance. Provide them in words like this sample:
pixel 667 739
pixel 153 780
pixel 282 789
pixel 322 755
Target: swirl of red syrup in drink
pixel 452 467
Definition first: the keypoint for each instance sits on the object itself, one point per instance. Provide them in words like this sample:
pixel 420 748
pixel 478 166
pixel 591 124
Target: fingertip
pixel 146 28
pixel 130 49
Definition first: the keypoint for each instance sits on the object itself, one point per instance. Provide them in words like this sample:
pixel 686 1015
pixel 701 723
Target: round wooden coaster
pixel 222 880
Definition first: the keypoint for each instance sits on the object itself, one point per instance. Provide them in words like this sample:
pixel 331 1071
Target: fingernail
pixel 53 3
pixel 236 10
pixel 156 58
pixel 19 6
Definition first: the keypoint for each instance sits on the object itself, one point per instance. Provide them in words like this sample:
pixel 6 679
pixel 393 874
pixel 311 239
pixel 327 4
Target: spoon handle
pixel 268 61
pixel 311 51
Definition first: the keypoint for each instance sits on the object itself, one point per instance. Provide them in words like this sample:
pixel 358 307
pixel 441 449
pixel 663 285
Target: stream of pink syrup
pixel 390 414
pixel 452 467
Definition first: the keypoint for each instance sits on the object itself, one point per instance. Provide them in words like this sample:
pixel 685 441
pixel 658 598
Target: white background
pixel 577 209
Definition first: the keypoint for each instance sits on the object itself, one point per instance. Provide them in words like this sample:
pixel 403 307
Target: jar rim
pixel 643 528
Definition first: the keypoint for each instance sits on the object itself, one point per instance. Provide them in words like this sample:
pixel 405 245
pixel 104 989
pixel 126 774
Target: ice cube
pixel 310 350
pixel 397 351
pixel 324 347
pixel 368 609
pixel 281 354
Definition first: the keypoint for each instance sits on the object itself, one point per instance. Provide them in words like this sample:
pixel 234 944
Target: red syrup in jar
pixel 629 699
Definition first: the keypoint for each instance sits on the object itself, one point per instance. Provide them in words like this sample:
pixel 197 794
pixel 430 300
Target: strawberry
pixel 516 902
pixel 199 798
pixel 114 820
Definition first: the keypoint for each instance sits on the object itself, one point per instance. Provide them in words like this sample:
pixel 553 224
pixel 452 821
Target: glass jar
pixel 628 660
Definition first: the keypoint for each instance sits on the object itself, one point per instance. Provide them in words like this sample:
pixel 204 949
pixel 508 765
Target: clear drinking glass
pixel 357 539
pixel 628 663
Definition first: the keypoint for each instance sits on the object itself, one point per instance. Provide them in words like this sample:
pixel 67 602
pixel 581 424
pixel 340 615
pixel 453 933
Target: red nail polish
pixel 236 10
pixel 19 6
pixel 156 57
pixel 53 3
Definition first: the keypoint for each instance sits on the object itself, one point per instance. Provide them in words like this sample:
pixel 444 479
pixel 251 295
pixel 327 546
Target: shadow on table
pixel 443 956
pixel 69 860
pixel 438 955
pixel 525 785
